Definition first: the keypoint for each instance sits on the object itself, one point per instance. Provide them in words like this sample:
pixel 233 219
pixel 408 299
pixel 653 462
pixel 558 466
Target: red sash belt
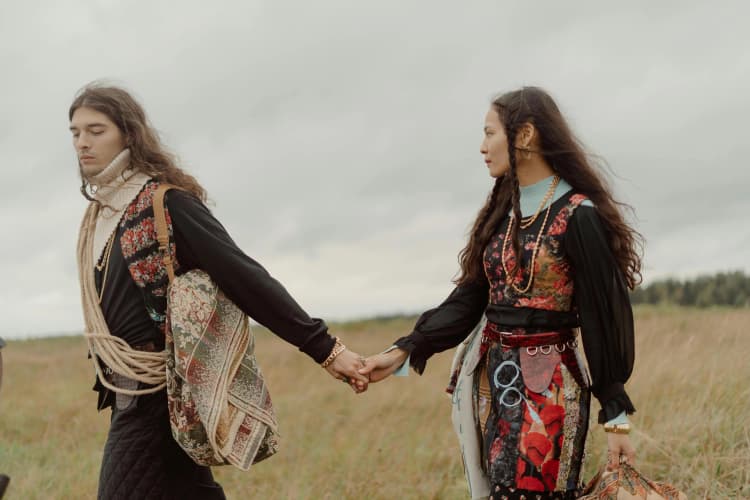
pixel 518 338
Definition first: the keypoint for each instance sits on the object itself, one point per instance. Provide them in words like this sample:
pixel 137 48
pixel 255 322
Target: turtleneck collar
pixel 117 166
pixel 114 188
pixel 113 175
pixel 532 195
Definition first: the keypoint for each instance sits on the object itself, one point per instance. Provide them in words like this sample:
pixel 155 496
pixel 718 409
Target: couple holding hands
pixel 543 282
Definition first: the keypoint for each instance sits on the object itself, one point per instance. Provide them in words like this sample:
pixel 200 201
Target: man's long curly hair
pixel 147 153
pixel 567 157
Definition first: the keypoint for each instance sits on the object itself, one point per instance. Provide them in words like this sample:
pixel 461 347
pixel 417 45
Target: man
pixel 122 163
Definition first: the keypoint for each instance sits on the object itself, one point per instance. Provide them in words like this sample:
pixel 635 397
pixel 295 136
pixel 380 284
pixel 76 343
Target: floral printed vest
pixel 552 288
pixel 140 249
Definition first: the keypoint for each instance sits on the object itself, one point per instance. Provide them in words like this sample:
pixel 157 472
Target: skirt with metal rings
pixel 533 409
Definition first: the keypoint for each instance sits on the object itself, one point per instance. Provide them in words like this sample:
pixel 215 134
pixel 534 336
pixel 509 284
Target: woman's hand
pixel 382 365
pixel 345 367
pixel 619 445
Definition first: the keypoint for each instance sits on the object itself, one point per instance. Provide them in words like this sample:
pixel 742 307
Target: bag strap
pixel 162 232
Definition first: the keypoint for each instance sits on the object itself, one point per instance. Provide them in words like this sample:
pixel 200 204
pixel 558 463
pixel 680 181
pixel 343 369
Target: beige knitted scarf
pixel 114 189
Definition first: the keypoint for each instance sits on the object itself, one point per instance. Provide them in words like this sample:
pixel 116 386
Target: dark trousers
pixel 143 461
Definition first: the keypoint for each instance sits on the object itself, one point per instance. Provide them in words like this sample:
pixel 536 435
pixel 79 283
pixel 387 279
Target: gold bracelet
pixel 338 348
pixel 617 428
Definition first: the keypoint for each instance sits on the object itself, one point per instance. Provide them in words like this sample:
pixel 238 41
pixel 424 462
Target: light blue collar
pixel 532 195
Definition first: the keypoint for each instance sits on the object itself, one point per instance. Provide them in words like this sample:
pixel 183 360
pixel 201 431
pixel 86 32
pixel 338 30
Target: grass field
pixel 690 386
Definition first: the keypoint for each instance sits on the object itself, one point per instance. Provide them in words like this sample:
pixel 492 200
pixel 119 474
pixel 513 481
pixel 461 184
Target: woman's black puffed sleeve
pixel 605 314
pixel 446 325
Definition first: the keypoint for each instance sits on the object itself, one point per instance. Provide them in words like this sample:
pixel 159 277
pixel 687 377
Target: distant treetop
pixel 721 289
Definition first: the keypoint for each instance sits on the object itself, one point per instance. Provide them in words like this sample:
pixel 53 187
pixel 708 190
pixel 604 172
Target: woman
pixel 122 162
pixel 578 257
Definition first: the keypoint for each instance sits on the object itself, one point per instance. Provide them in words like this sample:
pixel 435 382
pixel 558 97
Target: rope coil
pixel 142 366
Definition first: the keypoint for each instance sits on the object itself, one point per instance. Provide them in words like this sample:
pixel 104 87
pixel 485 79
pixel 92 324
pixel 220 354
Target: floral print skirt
pixel 533 411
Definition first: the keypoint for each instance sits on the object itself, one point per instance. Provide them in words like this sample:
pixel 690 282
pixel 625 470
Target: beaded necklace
pixel 525 223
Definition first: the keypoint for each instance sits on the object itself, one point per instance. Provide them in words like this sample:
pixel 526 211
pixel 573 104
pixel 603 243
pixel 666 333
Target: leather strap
pixel 162 232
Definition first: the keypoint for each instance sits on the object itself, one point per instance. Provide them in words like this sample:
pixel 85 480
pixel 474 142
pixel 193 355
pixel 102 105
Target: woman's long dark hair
pixel 146 151
pixel 565 154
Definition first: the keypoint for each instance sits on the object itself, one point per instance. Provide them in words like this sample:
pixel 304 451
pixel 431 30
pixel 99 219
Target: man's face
pixel 96 139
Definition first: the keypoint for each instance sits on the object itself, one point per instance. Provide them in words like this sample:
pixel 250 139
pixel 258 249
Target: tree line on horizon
pixel 730 289
pixel 720 289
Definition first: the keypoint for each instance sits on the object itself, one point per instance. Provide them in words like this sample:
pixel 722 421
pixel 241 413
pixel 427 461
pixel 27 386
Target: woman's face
pixel 96 139
pixel 494 147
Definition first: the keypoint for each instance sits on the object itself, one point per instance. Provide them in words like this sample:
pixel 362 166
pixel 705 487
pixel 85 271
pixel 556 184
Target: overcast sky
pixel 339 140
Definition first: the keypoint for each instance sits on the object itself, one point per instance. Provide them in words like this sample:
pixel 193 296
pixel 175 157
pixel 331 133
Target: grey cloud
pixel 340 140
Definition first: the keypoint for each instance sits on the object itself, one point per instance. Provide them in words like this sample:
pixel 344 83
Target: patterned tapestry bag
pixel 219 407
pixel 626 483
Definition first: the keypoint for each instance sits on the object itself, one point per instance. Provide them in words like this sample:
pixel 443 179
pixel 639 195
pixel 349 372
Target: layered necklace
pixel 114 188
pixel 104 264
pixel 525 223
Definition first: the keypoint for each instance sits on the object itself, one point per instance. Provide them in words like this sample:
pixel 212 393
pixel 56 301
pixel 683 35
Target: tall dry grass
pixel 690 386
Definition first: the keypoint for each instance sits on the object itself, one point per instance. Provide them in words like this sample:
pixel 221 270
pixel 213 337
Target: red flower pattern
pixel 559 224
pixel 553 285
pixel 521 468
pixel 547 303
pixel 537 447
pixel 549 473
pixel 530 483
pixel 143 201
pixel 503 428
pixel 552 416
pixel 577 199
pixel 557 378
pixel 138 237
pixel 537 466
pixel 537 399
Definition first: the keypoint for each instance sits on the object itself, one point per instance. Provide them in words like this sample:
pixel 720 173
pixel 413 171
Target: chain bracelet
pixel 338 348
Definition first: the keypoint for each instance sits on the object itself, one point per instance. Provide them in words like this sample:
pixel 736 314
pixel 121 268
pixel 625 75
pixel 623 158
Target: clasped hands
pixel 358 371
